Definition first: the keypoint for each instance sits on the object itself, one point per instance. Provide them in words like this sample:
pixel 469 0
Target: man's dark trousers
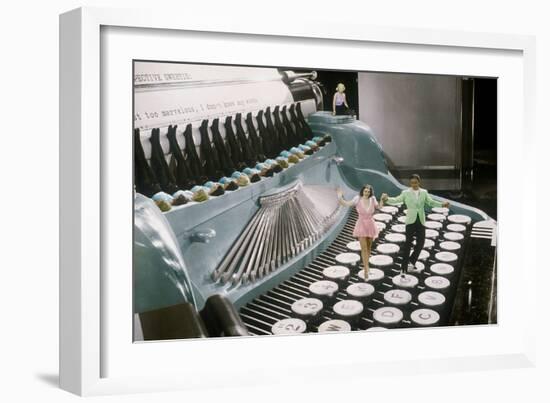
pixel 414 230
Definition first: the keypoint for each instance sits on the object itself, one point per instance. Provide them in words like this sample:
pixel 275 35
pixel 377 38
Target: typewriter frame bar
pixel 82 304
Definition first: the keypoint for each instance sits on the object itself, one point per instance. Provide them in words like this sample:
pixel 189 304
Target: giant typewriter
pixel 237 226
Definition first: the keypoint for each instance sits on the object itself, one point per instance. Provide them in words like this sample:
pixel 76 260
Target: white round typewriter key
pixel 376 329
pixel 398 228
pixel 360 290
pixel 380 225
pixel 437 282
pixel 388 248
pixel 402 219
pixel 428 243
pixel 442 269
pixel 440 210
pixel 307 307
pixel 354 246
pixel 397 297
pixel 389 209
pixel 418 268
pixel 456 227
pixel 348 309
pixel 446 257
pixel 433 224
pixel 381 260
pixel 374 274
pixel 424 254
pixel 334 325
pixel 432 299
pixel 348 258
pixel 459 219
pixel 436 217
pixel 424 317
pixel 336 273
pixel 382 217
pixel 289 326
pixel 405 281
pixel 395 238
pixel 453 236
pixel 431 233
pixel 323 289
pixel 387 315
pixel 449 245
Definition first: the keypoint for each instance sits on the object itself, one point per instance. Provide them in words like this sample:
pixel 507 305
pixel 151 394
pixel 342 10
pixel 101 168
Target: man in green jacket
pixel 415 198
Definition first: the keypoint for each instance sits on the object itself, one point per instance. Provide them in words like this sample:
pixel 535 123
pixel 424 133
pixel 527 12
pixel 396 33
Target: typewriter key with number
pixel 289 326
pixel 307 309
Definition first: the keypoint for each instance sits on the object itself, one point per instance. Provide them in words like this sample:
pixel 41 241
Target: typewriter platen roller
pixel 236 170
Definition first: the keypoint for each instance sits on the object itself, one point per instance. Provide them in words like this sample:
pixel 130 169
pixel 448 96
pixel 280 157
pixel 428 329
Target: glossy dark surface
pixel 477 286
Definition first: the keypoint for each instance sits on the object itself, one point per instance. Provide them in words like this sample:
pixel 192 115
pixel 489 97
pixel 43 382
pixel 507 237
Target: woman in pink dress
pixel 365 227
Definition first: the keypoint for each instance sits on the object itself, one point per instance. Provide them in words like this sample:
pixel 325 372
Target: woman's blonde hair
pixel 340 85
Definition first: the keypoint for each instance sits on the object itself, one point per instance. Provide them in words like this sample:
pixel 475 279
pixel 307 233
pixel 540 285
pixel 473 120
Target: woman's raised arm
pixel 341 200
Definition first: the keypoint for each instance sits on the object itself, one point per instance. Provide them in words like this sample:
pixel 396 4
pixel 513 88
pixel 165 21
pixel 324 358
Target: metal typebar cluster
pixel 287 223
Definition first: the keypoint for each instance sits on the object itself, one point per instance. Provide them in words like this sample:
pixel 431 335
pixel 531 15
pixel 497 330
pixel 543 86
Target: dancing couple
pixel 415 199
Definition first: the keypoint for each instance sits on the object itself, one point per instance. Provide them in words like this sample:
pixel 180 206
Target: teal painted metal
pixel 160 274
pixel 228 214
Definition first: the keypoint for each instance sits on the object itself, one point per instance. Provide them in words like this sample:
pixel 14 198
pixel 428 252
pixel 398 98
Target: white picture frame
pixel 97 357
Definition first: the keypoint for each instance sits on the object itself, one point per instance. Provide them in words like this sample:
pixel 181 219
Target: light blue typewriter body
pixel 205 231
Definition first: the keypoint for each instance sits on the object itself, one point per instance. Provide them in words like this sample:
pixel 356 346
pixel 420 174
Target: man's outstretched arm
pixel 434 203
pixel 393 200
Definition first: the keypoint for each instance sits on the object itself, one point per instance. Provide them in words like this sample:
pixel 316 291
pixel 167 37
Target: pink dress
pixel 365 225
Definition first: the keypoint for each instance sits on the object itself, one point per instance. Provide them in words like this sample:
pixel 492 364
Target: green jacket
pixel 414 207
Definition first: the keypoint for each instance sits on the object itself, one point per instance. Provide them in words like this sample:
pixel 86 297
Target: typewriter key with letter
pixel 334 325
pixel 425 317
pixel 387 316
pixel 349 310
